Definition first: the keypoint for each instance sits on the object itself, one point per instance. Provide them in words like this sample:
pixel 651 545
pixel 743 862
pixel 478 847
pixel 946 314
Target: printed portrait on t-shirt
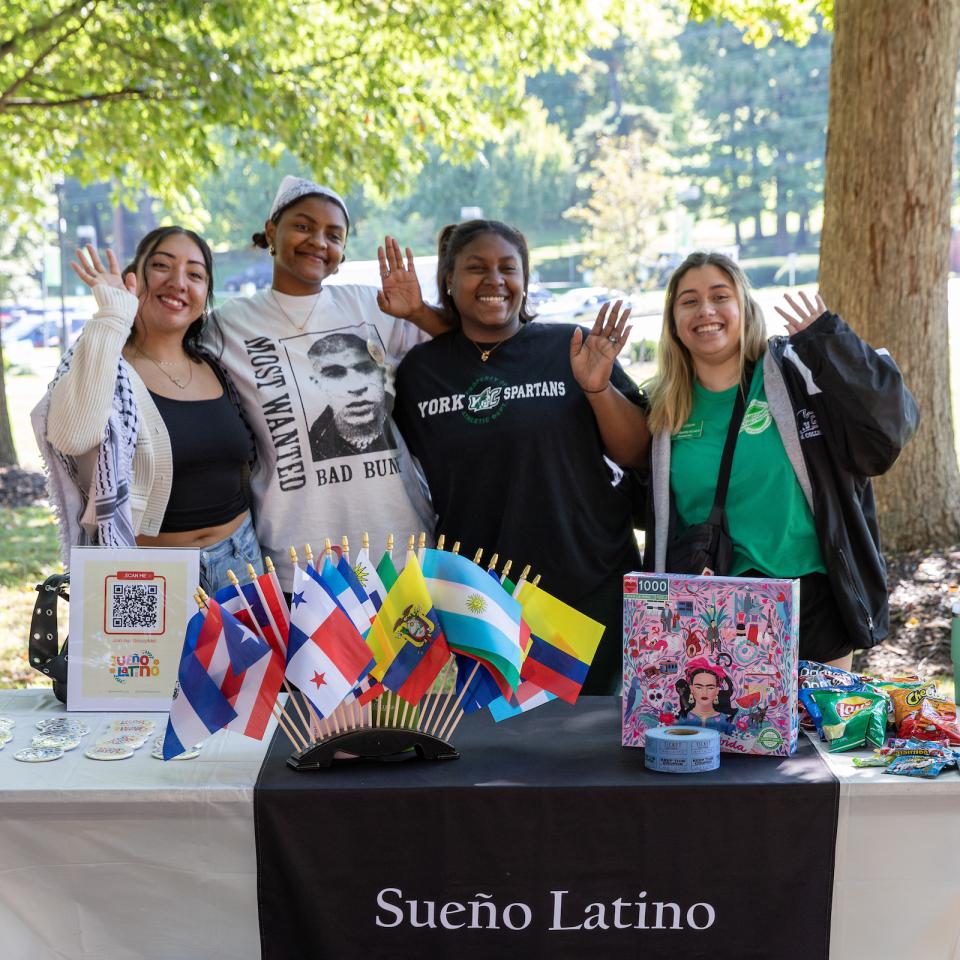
pixel 345 398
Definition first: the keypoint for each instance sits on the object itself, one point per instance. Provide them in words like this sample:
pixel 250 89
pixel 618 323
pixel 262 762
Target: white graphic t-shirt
pixel 316 377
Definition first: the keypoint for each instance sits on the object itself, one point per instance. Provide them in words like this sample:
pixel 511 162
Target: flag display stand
pixel 387 744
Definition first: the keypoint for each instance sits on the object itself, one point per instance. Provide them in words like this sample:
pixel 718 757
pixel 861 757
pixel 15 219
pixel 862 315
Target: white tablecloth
pixel 143 860
pixel 127 859
pixel 896 885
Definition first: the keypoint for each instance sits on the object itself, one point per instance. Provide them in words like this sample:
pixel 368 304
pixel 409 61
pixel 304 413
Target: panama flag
pixel 478 617
pixel 326 655
pixel 369 579
pixel 198 708
pixel 330 578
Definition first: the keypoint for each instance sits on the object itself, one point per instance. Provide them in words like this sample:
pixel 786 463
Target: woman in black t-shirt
pixel 510 421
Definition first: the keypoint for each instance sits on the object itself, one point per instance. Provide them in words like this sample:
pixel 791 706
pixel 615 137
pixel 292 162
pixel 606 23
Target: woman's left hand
pixel 592 357
pixel 400 295
pixel 802 316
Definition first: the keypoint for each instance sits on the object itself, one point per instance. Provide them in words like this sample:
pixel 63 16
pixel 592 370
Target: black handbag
pixel 45 654
pixel 706 547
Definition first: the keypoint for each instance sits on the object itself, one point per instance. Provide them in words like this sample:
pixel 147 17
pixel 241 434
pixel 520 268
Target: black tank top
pixel 210 446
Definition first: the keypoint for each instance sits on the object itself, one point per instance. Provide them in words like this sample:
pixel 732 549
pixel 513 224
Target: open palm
pixel 592 356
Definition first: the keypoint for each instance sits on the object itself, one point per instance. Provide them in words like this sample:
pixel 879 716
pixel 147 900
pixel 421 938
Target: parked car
pixel 580 305
pixel 259 274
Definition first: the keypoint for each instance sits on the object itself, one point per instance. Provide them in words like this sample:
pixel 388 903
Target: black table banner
pixel 546 839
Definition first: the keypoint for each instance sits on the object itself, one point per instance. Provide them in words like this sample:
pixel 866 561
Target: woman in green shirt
pixel 824 412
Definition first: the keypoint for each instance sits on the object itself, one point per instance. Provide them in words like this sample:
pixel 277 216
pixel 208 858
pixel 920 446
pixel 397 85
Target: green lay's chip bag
pixel 850 719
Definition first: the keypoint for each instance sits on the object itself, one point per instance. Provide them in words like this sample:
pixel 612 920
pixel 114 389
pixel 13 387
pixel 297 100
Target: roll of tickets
pixel 682 749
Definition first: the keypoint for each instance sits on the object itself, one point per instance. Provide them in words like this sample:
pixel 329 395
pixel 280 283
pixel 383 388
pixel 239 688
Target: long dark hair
pixel 454 237
pixel 146 248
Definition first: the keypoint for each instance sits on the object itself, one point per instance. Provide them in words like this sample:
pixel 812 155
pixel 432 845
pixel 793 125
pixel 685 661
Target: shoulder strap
pixel 44 649
pixel 726 461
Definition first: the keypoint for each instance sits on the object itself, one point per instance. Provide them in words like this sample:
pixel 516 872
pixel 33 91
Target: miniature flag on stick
pixel 478 617
pixel 368 576
pixel 563 643
pixel 330 578
pixel 406 637
pixel 198 708
pixel 527 697
pixel 326 655
pixel 247 669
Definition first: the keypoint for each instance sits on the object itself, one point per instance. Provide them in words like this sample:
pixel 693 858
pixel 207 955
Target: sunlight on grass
pixel 29 553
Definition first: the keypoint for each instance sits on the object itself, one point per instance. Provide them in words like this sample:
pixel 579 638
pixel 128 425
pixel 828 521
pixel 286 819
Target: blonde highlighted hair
pixel 671 389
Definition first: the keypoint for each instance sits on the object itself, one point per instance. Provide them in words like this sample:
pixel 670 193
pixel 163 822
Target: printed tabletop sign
pixel 717 652
pixel 128 612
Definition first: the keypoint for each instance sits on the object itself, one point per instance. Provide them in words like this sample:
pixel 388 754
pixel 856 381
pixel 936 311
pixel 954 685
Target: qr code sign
pixel 135 606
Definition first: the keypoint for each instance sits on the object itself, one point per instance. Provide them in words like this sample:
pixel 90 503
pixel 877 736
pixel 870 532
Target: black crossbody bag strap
pixel 717 514
pixel 45 653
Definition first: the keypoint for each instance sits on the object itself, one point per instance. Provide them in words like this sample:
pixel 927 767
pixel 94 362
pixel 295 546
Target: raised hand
pixel 90 269
pixel 802 316
pixel 400 294
pixel 592 357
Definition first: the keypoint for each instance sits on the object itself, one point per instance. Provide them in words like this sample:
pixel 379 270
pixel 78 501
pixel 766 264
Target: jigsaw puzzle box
pixel 717 652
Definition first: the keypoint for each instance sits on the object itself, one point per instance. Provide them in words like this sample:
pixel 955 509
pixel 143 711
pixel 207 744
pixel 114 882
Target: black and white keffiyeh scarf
pixel 112 475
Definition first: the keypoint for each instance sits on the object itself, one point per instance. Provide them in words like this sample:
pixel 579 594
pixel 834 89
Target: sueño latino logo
pixel 565 912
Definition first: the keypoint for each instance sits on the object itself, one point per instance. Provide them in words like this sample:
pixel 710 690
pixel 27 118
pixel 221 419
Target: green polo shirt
pixel 770 523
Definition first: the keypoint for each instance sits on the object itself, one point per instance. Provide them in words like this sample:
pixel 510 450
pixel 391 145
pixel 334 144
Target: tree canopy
pixel 141 91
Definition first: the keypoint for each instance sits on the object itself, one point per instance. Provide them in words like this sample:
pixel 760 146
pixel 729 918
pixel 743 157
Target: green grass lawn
pixel 29 552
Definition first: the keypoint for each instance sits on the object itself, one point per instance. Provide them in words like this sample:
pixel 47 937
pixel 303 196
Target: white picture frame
pixel 129 609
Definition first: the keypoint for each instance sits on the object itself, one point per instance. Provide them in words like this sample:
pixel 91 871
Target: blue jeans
pixel 231 553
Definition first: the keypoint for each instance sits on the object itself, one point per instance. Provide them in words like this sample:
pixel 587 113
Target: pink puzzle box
pixel 717 652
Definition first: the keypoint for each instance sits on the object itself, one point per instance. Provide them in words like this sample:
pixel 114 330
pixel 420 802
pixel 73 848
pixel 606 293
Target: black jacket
pixel 844 414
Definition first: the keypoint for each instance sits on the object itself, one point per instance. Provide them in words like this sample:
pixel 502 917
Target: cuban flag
pixel 198 708
pixel 326 655
pixel 479 618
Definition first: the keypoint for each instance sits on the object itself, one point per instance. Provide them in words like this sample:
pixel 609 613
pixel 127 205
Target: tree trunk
pixel 737 238
pixel 8 454
pixel 886 232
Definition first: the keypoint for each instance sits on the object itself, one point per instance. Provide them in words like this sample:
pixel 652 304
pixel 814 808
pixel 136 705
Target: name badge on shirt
pixel 691 430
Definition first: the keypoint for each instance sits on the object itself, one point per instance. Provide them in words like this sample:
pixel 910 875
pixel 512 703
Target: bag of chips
pixel 848 719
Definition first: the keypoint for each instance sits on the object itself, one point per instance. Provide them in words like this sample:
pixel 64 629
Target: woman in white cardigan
pixel 142 433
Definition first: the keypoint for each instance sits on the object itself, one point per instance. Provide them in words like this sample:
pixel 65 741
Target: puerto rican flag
pixel 326 655
pixel 247 669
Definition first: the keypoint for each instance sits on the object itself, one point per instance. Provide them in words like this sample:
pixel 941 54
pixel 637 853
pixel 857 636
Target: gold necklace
pixel 485 354
pixel 160 364
pixel 299 327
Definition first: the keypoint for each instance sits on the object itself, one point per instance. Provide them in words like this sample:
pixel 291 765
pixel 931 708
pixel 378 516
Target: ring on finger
pixel 613 339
